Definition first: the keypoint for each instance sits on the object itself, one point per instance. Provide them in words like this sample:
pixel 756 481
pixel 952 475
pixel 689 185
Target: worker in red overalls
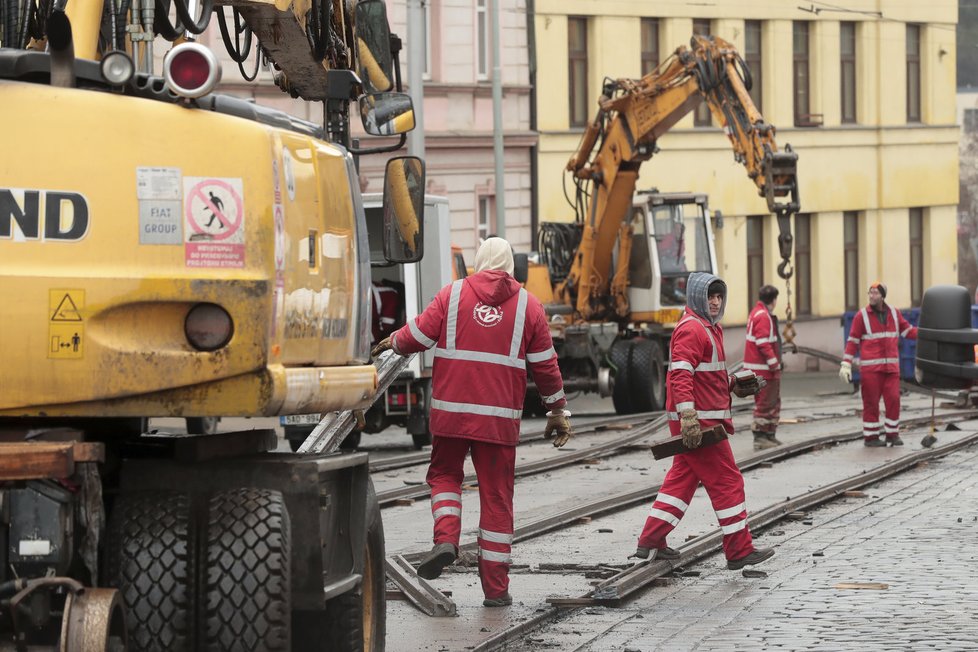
pixel 487 332
pixel 875 332
pixel 698 391
pixel 762 355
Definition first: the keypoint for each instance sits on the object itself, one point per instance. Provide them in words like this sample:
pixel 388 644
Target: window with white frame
pixel 482 39
pixel 486 220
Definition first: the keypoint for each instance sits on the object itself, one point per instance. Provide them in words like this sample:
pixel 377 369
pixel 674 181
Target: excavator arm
pixel 632 115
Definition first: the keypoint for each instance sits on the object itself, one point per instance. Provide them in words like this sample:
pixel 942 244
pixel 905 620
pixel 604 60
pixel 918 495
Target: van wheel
pixel 420 441
pixel 202 425
pixel 358 619
pixel 247 583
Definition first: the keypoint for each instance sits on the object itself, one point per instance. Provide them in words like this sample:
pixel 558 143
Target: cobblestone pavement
pixel 915 535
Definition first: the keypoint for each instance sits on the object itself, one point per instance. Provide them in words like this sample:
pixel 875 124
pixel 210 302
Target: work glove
pixel 558 423
pixel 383 345
pixel 689 427
pixel 845 371
pixel 746 383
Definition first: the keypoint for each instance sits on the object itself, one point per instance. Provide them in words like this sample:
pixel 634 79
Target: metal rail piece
pixel 418 592
pixel 335 426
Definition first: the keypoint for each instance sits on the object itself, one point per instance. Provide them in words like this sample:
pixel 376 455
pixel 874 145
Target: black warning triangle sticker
pixel 66 310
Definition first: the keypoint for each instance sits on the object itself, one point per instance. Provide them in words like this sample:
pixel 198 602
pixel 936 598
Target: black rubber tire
pixel 247 584
pixel 358 619
pixel 151 559
pixel 647 374
pixel 202 425
pixel 619 356
pixel 422 440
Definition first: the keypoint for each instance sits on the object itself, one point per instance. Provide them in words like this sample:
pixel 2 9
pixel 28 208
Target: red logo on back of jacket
pixel 487 316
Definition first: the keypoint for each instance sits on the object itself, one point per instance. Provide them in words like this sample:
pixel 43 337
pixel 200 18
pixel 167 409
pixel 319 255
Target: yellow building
pixel 865 96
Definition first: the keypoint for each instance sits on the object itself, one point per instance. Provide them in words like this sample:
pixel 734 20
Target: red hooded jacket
pixel 486 330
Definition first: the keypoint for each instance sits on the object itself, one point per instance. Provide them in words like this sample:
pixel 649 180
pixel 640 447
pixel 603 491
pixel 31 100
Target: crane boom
pixel 632 115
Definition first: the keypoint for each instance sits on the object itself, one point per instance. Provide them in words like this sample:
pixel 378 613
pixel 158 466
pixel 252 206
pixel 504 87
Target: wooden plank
pixel 674 445
pixel 89 451
pixel 35 460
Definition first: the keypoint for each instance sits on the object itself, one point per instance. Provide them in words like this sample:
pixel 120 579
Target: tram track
pixel 641 427
pixel 612 503
pixel 632 580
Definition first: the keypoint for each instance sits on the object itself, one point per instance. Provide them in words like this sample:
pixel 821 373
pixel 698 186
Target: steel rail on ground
pixel 637 577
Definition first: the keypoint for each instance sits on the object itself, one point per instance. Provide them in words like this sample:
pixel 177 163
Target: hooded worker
pixel 698 390
pixel 875 333
pixel 487 332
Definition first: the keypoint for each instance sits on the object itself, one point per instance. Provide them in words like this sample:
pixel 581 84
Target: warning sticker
pixel 66 334
pixel 213 222
pixel 158 183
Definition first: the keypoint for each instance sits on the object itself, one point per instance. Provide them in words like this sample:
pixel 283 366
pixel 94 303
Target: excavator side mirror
pixel 945 339
pixel 404 182
pixel 387 114
pixel 521 267
pixel 373 35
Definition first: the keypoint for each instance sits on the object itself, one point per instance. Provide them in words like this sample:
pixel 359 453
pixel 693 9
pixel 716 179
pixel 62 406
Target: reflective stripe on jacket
pixel 697 377
pixel 878 344
pixel 762 351
pixel 487 332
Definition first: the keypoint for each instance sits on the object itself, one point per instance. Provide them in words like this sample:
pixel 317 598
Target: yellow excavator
pixel 170 251
pixel 615 300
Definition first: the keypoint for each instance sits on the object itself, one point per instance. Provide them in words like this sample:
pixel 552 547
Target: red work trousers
pixel 715 467
pixel 887 385
pixel 494 467
pixel 767 406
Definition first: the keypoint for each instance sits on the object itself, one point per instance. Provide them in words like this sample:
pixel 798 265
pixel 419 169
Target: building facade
pixel 457 110
pixel 865 97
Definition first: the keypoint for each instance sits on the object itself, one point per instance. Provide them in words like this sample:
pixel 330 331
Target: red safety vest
pixel 761 353
pixel 487 332
pixel 878 344
pixel 697 377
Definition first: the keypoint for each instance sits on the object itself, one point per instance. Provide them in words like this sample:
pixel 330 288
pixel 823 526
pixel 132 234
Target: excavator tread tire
pixel 357 620
pixel 648 376
pixel 150 558
pixel 620 358
pixel 247 582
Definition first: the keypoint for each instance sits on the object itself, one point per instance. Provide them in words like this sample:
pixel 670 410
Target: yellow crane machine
pixel 616 278
pixel 169 251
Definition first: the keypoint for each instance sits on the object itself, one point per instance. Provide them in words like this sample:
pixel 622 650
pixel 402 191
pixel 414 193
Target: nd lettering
pixel 42 214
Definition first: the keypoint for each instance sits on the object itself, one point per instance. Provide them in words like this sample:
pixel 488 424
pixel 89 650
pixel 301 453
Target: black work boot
pixel 873 442
pixel 440 556
pixel 502 601
pixel 756 557
pixel 894 440
pixel 763 441
pixel 665 552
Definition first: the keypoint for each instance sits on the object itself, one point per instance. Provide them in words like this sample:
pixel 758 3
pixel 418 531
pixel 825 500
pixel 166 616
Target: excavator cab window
pixel 682 245
pixel 639 265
